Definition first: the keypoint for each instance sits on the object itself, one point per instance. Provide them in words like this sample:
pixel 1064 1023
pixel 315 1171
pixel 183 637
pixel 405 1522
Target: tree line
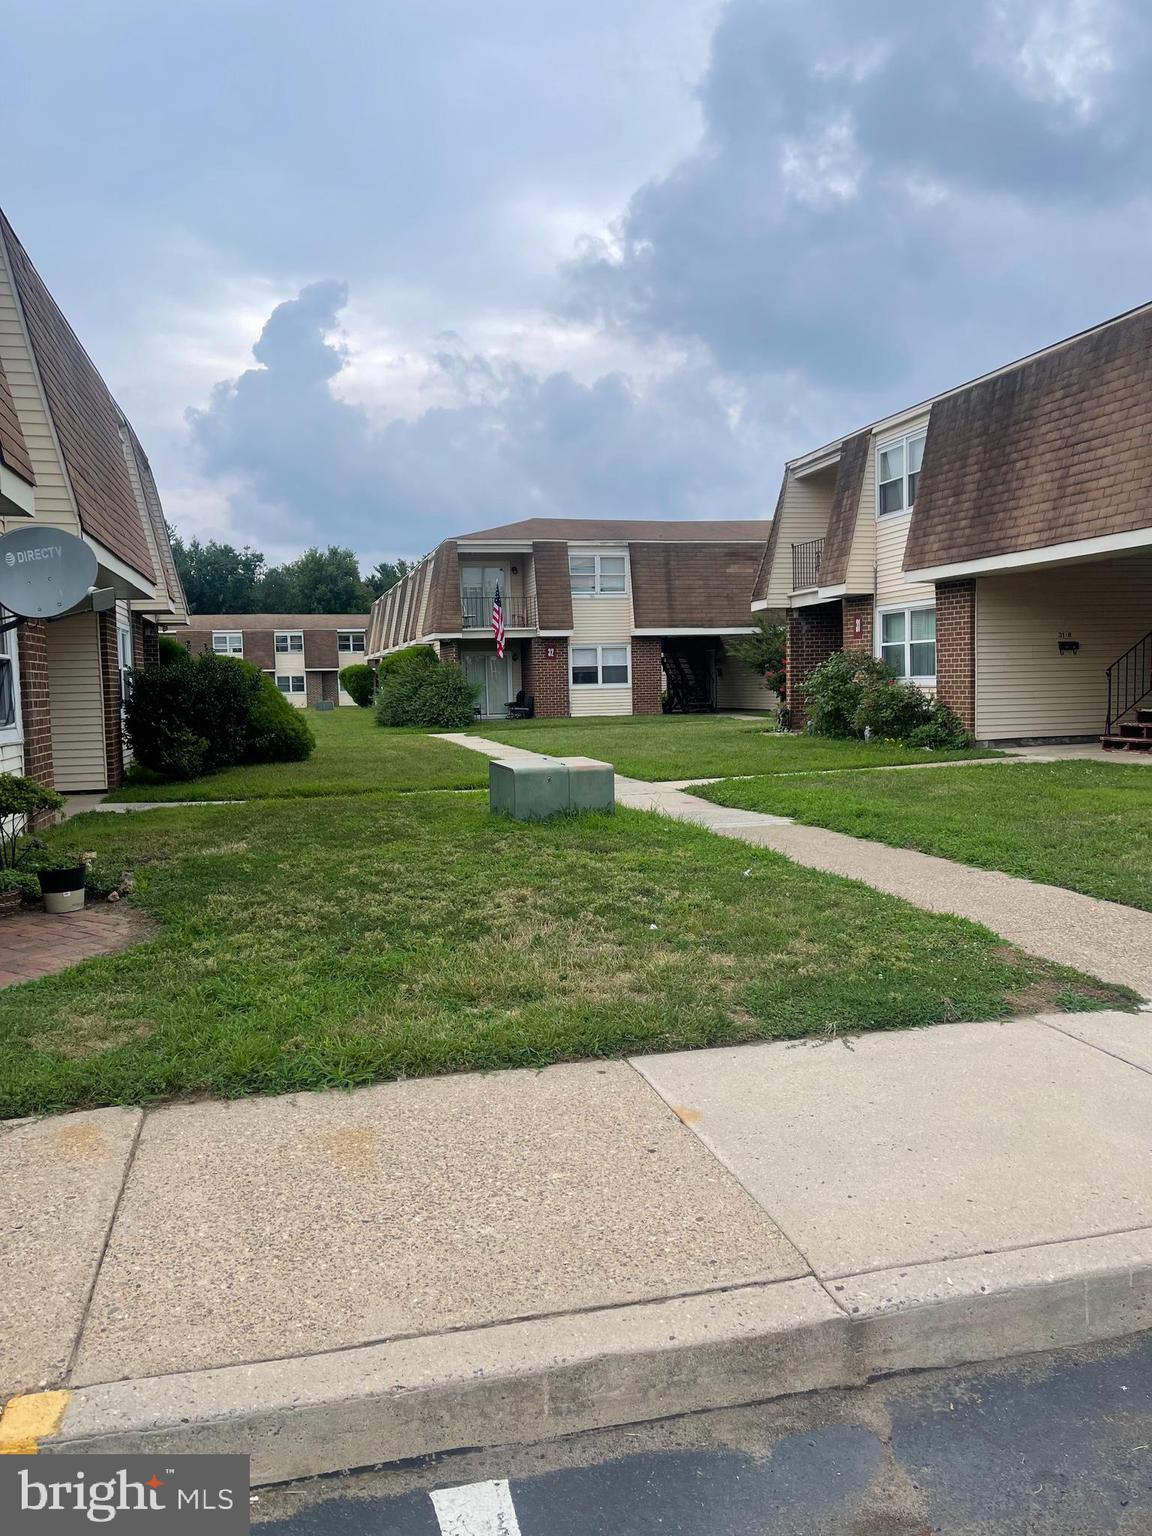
pixel 218 578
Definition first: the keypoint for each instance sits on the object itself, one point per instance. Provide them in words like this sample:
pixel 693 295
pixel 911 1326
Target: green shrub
pixel 412 658
pixel 19 880
pixel 278 732
pixel 832 692
pixel 439 696
pixel 764 651
pixel 102 875
pixel 20 799
pixel 854 694
pixel 358 682
pixel 208 712
pixel 172 651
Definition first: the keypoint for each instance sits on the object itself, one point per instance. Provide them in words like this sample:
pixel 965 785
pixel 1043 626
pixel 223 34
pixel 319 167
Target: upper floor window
pixel 228 642
pixel 908 643
pixel 349 639
pixel 289 642
pixel 897 473
pixel 596 575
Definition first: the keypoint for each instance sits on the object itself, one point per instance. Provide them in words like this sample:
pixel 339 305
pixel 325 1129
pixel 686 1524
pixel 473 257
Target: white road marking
pixel 476 1509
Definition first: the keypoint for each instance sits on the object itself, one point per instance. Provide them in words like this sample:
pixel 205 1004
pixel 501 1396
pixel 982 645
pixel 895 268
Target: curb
pixel 545 1378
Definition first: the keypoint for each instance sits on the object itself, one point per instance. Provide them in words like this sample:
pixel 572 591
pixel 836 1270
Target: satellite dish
pixel 44 572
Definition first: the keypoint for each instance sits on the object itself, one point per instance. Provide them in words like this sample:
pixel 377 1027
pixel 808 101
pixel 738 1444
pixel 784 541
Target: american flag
pixel 498 622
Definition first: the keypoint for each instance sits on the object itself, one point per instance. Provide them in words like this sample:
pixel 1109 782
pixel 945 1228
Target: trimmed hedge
pixel 199 714
pixel 437 696
pixel 358 682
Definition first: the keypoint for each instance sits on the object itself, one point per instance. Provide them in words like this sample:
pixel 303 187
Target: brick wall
pixel 647 675
pixel 813 635
pixel 450 651
pixel 149 652
pixel 861 608
pixel 110 672
pixel 956 648
pixel 545 678
pixel 32 644
pixel 313 687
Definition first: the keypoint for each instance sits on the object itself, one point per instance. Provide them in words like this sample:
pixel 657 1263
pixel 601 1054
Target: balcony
pixel 476 609
pixel 806 565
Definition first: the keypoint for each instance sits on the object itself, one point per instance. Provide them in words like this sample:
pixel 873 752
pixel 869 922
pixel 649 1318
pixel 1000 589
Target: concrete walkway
pixel 1101 938
pixel 337 1279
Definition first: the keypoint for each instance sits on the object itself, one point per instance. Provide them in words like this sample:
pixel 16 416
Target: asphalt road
pixel 1049 1445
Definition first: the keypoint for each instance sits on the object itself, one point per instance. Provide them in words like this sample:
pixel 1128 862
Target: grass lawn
pixel 1087 826
pixel 301 946
pixel 353 756
pixel 705 746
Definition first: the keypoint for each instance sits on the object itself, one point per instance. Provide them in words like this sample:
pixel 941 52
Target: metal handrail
pixel 1129 680
pixel 476 609
pixel 806 564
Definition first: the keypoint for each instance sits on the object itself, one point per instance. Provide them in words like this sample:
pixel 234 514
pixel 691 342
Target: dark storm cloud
pixel 312 465
pixel 874 174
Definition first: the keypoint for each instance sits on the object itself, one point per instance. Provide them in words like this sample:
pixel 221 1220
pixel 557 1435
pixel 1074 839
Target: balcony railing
pixel 476 605
pixel 806 564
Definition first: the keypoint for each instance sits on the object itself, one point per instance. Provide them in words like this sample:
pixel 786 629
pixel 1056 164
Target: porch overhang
pixel 1036 559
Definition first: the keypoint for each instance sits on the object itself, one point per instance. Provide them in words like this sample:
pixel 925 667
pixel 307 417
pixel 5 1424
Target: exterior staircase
pixel 1131 736
pixel 689 686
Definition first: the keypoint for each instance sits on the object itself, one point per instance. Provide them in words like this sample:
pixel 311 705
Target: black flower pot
pixel 62 889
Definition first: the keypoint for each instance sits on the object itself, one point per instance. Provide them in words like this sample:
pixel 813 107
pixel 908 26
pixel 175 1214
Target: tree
pixel 218 578
pixel 763 650
pixel 320 581
pixel 386 575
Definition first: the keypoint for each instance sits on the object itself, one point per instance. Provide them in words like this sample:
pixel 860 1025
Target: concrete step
pixel 1126 743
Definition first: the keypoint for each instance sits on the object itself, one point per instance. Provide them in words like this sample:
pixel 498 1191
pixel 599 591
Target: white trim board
pixel 1048 554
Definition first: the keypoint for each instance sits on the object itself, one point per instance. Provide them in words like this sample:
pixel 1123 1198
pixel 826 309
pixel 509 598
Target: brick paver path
pixel 33 944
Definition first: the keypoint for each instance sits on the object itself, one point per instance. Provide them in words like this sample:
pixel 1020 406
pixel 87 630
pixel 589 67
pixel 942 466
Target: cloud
pixel 889 194
pixel 308 464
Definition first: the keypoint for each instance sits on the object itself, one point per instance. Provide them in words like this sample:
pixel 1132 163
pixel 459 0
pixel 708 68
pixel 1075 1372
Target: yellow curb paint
pixel 30 1418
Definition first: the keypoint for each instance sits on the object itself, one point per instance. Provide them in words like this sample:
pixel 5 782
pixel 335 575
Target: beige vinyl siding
pixel 77 703
pixel 601 621
pixel 861 572
pixel 891 534
pixel 739 686
pixel 1024 686
pixel 54 503
pixel 803 514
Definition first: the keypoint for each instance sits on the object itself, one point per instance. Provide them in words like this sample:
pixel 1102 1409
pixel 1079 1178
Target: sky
pixel 379 272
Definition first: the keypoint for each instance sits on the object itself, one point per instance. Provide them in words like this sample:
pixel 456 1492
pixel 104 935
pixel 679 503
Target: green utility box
pixel 535 789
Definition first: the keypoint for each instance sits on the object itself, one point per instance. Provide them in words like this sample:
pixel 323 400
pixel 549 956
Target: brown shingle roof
pixel 168 574
pixel 845 506
pixel 651 530
pixel 86 418
pixel 702 588
pixel 269 621
pixel 13 448
pixel 1055 450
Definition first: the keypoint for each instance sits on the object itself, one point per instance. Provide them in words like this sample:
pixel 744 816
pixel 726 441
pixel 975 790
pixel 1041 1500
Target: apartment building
pixel 602 617
pixel 70 460
pixel 993 543
pixel 304 652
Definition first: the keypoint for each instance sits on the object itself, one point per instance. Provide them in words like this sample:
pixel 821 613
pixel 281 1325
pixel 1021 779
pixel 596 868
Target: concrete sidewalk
pixel 1100 938
pixel 338 1279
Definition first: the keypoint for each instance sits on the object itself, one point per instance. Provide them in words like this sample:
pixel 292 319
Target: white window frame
pixel 903 441
pixel 350 635
pixel 124 658
pixel 595 556
pixel 13 733
pixel 600 649
pixel 227 636
pixel 907 609
pixel 291 678
pixel 288 635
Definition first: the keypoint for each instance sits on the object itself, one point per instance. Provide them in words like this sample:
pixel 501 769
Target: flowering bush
pixel 854 694
pixel 833 691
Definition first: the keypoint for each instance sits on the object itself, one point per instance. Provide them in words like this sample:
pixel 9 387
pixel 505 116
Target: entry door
pixel 488 673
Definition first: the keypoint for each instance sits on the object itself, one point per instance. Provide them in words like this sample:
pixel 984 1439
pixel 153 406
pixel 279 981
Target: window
pixel 227 642
pixel 124 656
pixel 908 643
pixel 290 682
pixel 350 640
pixel 598 575
pixel 600 666
pixel 9 702
pixel 897 473
pixel 289 642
